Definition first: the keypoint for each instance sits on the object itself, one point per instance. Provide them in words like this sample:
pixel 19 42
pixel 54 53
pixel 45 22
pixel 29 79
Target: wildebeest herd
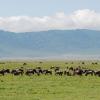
pixel 53 70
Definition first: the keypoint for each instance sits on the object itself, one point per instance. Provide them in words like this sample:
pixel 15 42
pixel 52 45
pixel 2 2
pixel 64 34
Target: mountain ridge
pixel 49 43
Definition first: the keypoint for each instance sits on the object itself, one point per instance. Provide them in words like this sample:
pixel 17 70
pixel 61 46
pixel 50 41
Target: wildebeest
pixel 29 72
pixel 59 73
pixel 53 70
pixel 83 63
pixel 4 71
pixel 24 64
pixel 67 73
pixel 46 72
pixel 78 72
pixel 89 72
pixel 56 69
pixel 17 71
pixel 97 73
pixel 33 71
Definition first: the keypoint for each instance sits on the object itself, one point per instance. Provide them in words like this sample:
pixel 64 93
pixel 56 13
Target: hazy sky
pixel 45 7
pixel 40 15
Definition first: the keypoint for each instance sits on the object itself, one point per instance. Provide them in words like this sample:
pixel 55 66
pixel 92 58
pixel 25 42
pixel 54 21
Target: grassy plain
pixel 49 87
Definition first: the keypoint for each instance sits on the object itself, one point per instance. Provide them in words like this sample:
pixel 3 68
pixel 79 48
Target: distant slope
pixel 49 43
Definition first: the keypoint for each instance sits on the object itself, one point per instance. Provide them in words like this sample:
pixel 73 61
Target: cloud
pixel 80 19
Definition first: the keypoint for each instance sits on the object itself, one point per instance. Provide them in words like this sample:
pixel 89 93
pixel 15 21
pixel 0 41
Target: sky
pixel 40 15
pixel 45 7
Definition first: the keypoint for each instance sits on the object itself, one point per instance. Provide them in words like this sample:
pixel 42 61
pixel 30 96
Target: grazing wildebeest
pixel 97 73
pixel 83 63
pixel 52 67
pixel 17 71
pixel 24 64
pixel 59 73
pixel 89 72
pixel 40 62
pixel 56 69
pixel 78 72
pixel 39 70
pixel 33 71
pixel 67 73
pixel 6 71
pixel 46 72
pixel 29 72
pixel 71 68
pixel 96 63
pixel 2 72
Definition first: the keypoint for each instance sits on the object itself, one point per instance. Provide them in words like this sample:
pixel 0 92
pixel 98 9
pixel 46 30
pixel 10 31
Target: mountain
pixel 49 43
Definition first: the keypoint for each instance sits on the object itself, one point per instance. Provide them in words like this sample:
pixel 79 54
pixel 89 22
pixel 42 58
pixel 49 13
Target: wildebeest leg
pixel 86 74
pixel 38 74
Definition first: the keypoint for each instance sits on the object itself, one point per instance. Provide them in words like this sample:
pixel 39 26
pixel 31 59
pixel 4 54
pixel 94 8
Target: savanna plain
pixel 49 87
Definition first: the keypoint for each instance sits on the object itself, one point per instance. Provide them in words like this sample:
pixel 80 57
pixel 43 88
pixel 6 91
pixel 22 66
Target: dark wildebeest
pixel 39 70
pixel 29 72
pixel 46 72
pixel 67 73
pixel 32 72
pixel 24 64
pixel 56 69
pixel 17 71
pixel 89 72
pixel 59 73
pixel 40 62
pixel 78 72
pixel 96 63
pixel 97 73
pixel 71 68
pixel 4 71
pixel 83 63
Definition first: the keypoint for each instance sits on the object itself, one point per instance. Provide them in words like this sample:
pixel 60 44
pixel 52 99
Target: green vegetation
pixel 47 87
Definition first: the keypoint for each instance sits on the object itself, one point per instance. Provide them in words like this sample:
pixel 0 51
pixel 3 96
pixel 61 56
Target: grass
pixel 49 87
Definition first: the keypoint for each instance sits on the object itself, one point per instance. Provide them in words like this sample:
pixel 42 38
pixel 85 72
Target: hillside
pixel 49 43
